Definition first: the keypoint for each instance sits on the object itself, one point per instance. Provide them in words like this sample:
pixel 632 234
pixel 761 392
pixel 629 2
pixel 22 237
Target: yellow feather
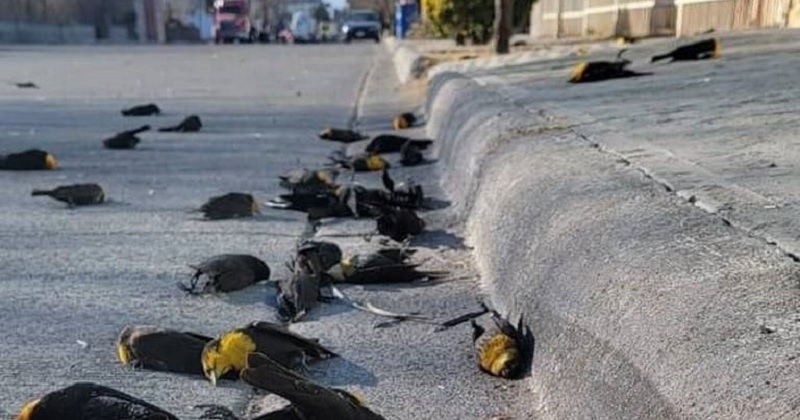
pixel 376 163
pixel 27 411
pixel 717 48
pixel 229 355
pixel 400 123
pixel 578 69
pixel 347 266
pixel 50 162
pixel 497 352
pixel 123 353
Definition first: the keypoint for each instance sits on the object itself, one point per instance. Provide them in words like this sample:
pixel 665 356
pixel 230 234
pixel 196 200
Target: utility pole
pixel 503 25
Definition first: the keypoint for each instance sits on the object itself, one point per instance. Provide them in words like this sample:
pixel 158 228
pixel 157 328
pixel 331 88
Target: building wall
pixel 605 18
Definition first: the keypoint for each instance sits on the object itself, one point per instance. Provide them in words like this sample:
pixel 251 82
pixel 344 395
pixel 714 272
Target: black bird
pixel 309 181
pixel 317 205
pixel 387 266
pixel 227 273
pixel 500 349
pixel 309 401
pixel 125 139
pixel 229 206
pixel 701 50
pixel 341 135
pixel 409 194
pixel 326 253
pixel 390 143
pixel 190 124
pixel 410 155
pixel 75 195
pixel 404 120
pixel 27 85
pixel 399 223
pixel 142 111
pixel 595 71
pixel 364 162
pixel 29 160
pixel 300 293
pixel 90 401
pixel 160 349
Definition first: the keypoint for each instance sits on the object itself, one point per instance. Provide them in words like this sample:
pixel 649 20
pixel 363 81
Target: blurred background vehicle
pixel 362 24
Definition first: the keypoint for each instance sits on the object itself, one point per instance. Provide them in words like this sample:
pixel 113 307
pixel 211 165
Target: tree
pixel 503 25
pixel 321 14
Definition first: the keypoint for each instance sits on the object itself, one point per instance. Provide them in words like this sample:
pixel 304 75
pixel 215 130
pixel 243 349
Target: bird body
pixel 190 124
pixel 75 195
pixel 229 206
pixel 399 223
pixel 403 121
pixel 326 253
pixel 153 348
pixel 701 50
pixel 596 71
pixel 498 349
pixel 89 401
pixel 29 160
pixel 229 351
pixel 299 293
pixel 364 162
pixel 309 181
pixel 341 135
pixel 390 143
pixel 377 268
pixel 410 155
pixel 227 273
pixel 309 401
pixel 142 110
pixel 125 139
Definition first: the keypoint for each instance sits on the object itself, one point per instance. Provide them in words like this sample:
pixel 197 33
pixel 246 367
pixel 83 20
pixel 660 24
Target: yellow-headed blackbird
pixel 701 50
pixel 499 349
pixel 29 160
pixel 326 253
pixel 341 135
pixel 141 111
pixel 309 181
pixel 125 139
pixel 318 205
pixel 190 124
pixel 626 40
pixel 385 266
pixel 309 401
pixel 27 85
pixel 407 195
pixel 399 223
pixel 364 162
pixel 227 273
pixel 90 401
pixel 410 155
pixel 404 120
pixel 230 206
pixel 390 143
pixel 228 352
pixel 75 195
pixel 166 350
pixel 299 293
pixel 596 71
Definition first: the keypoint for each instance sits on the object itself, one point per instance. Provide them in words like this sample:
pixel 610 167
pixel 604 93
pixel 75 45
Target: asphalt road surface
pixel 70 279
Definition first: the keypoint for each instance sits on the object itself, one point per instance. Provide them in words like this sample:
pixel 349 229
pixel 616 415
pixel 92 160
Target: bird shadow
pixel 430 204
pixel 341 372
pixel 527 347
pixel 438 238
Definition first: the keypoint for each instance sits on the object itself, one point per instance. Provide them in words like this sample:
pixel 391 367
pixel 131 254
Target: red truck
pixel 232 22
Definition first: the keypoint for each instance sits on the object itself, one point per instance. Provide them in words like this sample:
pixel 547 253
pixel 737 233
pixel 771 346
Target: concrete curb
pixel 642 305
pixel 408 61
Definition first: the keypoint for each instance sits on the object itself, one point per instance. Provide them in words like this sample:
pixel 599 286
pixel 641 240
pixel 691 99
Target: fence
pixel 603 18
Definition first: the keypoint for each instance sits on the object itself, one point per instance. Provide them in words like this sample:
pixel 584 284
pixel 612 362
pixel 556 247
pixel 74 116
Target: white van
pixel 303 27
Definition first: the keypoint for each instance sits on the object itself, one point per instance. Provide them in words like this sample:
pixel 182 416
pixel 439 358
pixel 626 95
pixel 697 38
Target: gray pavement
pixel 75 277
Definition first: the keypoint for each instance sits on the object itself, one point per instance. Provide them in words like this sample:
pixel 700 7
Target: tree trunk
pixel 503 25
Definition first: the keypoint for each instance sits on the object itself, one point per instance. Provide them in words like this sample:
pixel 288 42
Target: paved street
pixel 78 276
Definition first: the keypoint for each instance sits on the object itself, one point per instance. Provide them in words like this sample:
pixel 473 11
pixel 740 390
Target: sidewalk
pixel 633 224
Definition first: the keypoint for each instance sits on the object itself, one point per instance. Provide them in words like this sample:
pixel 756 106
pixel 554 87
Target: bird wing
pixel 276 336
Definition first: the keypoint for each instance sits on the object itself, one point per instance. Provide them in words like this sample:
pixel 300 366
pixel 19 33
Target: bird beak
pixel 213 378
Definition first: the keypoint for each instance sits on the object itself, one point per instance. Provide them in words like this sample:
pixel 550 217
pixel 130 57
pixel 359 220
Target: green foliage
pixel 321 14
pixel 462 18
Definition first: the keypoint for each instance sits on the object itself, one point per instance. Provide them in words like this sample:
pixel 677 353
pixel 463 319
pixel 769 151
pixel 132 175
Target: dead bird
pixel 499 349
pixel 228 352
pixel 364 162
pixel 595 71
pixel 327 254
pixel 75 195
pixel 626 40
pixel 226 273
pixel 390 143
pixel 190 124
pixel 399 223
pixel 125 139
pixel 410 155
pixel 407 194
pixel 304 180
pixel 300 293
pixel 29 160
pixel 230 206
pixel 404 120
pixel 26 85
pixel 142 111
pixel 701 50
pixel 378 268
pixel 341 135
pixel 87 400
pixel 161 349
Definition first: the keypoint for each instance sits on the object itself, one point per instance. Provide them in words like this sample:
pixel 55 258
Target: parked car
pixel 232 22
pixel 362 24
